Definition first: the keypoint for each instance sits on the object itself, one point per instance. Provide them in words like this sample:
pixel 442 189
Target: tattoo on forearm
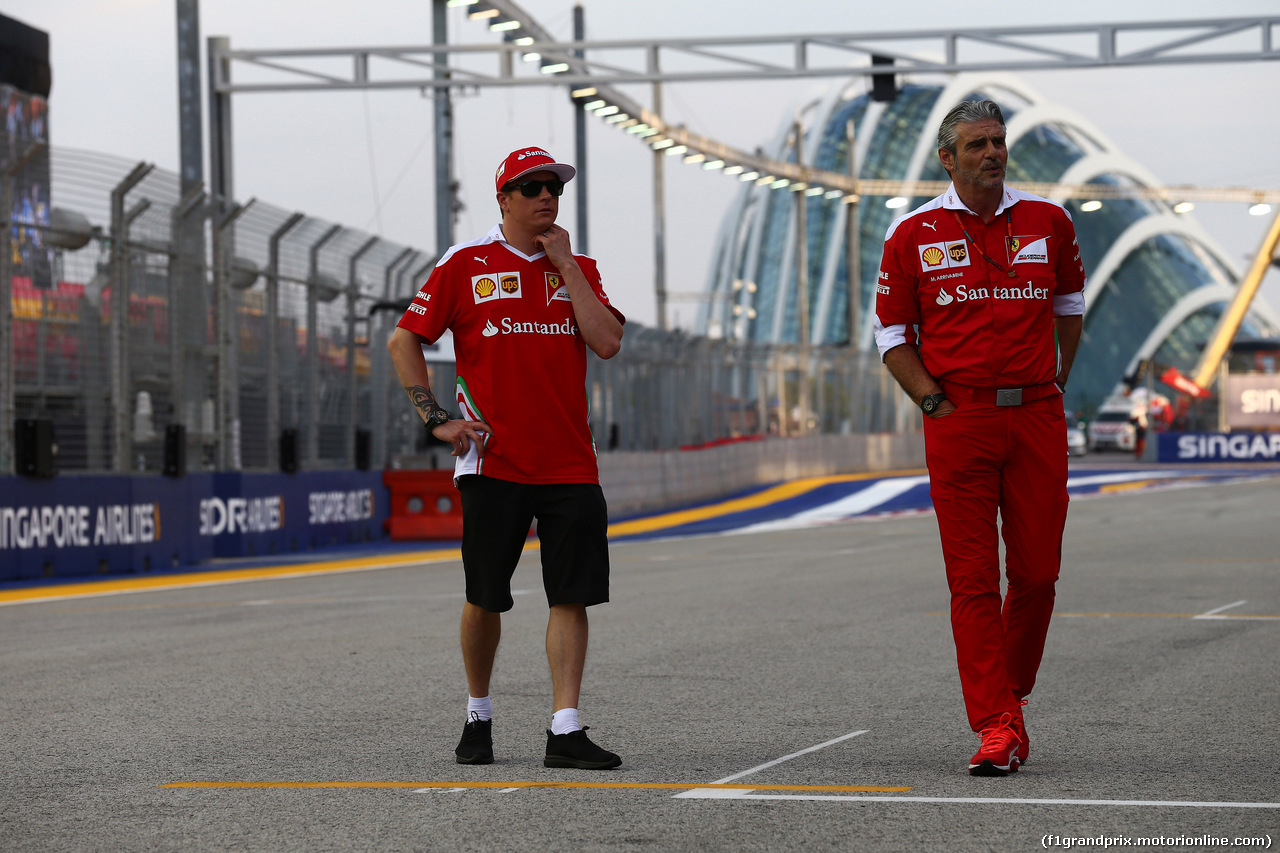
pixel 422 398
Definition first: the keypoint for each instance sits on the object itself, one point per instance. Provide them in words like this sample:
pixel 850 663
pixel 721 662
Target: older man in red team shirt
pixel 523 310
pixel 979 309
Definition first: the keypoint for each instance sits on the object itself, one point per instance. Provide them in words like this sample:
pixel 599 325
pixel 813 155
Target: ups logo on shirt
pixel 958 252
pixel 505 285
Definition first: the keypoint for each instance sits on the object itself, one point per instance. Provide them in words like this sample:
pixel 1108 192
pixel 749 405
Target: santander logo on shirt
pixel 507 326
pixel 973 294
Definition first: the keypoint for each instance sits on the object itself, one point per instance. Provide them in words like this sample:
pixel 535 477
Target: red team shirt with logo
pixel 521 361
pixel 976 325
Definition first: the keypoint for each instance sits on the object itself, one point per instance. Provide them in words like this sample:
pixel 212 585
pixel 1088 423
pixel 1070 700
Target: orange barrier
pixel 424 505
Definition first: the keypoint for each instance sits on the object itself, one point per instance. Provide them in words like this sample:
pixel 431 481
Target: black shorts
pixel 572 520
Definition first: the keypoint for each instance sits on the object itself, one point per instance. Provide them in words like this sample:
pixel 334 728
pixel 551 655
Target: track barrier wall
pixel 1219 447
pixel 424 504
pixel 70 525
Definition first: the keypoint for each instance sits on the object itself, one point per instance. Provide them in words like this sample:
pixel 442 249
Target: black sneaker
pixel 476 746
pixel 576 750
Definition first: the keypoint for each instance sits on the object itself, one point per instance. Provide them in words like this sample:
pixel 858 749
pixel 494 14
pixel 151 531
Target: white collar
pixel 951 199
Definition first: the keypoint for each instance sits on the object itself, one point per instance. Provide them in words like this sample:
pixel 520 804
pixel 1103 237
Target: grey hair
pixel 966 111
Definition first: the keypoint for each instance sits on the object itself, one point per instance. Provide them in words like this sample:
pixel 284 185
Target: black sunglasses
pixel 533 189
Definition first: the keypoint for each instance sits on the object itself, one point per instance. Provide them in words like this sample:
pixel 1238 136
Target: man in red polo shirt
pixel 979 308
pixel 523 310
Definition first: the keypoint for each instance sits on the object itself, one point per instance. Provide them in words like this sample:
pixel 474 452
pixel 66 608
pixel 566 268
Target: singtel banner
pixel 1252 400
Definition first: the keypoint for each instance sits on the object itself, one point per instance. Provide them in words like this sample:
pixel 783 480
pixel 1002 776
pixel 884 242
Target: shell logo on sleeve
pixel 484 288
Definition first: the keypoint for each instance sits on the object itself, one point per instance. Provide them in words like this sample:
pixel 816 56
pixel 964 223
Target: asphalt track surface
pixel 788 688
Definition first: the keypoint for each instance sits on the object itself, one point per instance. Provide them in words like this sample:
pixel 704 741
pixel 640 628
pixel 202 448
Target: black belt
pixel 1000 396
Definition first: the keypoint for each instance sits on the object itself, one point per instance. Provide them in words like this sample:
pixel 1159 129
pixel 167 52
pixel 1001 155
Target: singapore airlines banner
pixel 71 525
pixel 1245 446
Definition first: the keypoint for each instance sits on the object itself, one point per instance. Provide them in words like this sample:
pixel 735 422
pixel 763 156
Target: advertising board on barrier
pixel 1219 447
pixel 78 525
pixel 1252 400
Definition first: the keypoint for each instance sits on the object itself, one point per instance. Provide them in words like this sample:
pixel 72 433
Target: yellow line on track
pixel 1127 487
pixel 771 495
pixel 198 577
pixel 663 786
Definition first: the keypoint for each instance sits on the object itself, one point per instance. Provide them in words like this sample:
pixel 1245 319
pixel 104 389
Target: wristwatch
pixel 436 417
pixel 929 403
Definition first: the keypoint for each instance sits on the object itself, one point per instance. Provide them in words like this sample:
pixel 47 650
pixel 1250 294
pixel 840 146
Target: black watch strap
pixel 929 402
pixel 436 417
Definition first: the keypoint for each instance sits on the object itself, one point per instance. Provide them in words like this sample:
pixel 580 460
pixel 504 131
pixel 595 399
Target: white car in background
pixel 1077 441
pixel 1112 429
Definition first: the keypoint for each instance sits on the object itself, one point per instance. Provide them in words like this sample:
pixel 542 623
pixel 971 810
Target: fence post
pixel 312 412
pixel 121 440
pixel 353 294
pixel 228 404
pixel 186 311
pixel 378 366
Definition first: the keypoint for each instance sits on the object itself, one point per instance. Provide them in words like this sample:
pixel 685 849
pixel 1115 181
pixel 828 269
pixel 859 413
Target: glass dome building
pixel 1157 281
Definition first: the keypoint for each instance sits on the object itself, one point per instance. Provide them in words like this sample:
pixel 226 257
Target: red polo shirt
pixel 945 285
pixel 522 363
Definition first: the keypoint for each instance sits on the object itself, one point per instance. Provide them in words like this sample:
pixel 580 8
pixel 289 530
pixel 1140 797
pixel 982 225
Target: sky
pixel 364 159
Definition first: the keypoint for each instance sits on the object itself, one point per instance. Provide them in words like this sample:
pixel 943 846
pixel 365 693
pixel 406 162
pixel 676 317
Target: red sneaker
pixel 999 753
pixel 1024 742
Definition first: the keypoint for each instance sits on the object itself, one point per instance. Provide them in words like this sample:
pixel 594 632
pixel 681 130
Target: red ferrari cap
pixel 525 160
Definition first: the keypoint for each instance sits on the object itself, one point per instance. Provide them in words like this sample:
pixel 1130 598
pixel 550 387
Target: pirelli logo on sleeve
pixel 943 256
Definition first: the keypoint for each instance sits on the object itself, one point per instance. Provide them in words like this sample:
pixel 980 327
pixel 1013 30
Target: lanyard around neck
pixel 1008 224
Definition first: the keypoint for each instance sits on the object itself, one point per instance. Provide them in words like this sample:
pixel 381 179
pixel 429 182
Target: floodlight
pixel 1091 205
pixel 504 26
pixel 481 14
pixel 897 202
pixel 712 165
pixel 1260 209
pixel 1183 207
pixel 556 68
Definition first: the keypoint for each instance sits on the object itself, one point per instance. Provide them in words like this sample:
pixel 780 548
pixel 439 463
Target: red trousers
pixel 982 459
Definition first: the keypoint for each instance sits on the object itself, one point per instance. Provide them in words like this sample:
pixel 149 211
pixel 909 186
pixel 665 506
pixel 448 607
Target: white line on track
pixel 746 795
pixel 1213 614
pixel 859 502
pixel 737 793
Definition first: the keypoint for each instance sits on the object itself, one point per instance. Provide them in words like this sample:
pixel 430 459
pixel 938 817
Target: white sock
pixel 564 721
pixel 482 708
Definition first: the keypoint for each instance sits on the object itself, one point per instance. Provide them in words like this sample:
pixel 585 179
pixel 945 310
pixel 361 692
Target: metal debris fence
pixel 193 334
